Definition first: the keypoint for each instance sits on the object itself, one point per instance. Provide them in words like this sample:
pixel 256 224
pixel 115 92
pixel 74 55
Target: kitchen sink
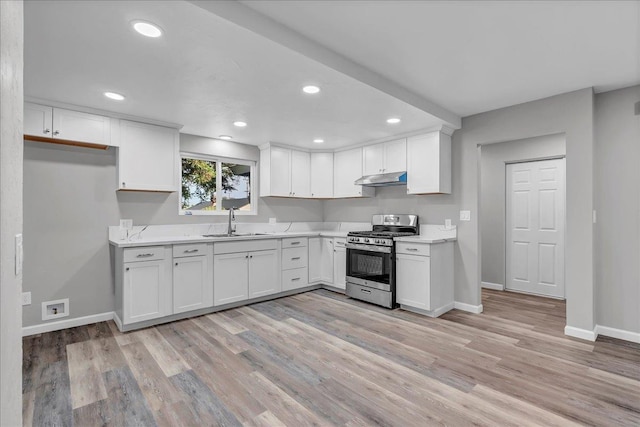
pixel 234 235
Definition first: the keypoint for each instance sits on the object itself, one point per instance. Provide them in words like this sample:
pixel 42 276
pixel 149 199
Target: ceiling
pixel 204 73
pixel 476 56
pixel 423 61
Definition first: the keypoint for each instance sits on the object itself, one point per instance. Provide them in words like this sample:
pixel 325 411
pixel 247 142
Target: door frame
pixel 506 211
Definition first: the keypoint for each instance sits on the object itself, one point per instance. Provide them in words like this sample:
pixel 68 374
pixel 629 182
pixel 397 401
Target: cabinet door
pixel 38 120
pixel 146 291
pixel 300 174
pixel 412 281
pixel 83 127
pixel 395 156
pixel 429 164
pixel 339 267
pixel 315 259
pixel 230 278
pixel 373 159
pixel 147 157
pixel 191 288
pixel 264 278
pixel 326 260
pixel 280 171
pixel 347 167
pixel 322 175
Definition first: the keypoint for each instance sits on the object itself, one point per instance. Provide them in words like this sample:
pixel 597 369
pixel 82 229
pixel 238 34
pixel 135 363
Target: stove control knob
pixel 366 240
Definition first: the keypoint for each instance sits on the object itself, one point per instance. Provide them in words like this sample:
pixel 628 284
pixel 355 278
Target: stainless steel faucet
pixel 232 217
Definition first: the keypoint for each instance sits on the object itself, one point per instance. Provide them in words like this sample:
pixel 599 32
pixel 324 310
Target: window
pixel 212 186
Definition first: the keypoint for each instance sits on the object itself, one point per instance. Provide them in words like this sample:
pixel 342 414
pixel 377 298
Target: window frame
pixel 253 199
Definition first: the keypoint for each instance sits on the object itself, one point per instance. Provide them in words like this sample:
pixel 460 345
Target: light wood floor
pixel 322 359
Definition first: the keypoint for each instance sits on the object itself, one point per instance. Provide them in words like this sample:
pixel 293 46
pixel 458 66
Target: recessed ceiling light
pixel 318 140
pixel 227 137
pixel 393 120
pixel 147 29
pixel 239 124
pixel 114 96
pixel 311 89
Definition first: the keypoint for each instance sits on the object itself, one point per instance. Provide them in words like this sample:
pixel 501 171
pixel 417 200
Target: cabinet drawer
pixel 423 249
pixel 294 242
pixel 191 249
pixel 295 279
pixel 244 246
pixel 294 258
pixel 146 253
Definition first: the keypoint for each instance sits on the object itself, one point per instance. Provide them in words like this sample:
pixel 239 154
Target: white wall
pixel 70 198
pixel 618 209
pixel 492 195
pixel 11 102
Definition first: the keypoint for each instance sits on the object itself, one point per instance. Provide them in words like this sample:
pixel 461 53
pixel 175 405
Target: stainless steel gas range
pixel 371 258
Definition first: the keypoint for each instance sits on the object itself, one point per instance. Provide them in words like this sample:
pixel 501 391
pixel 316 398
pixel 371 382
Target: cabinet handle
pixel 123 184
pixel 176 263
pixel 412 249
pixel 295 279
pixel 295 243
pixel 366 291
pixel 246 256
pixel 143 255
pixel 56 132
pixel 46 131
pixel 296 258
pixel 127 269
pixel 191 251
pixel 250 256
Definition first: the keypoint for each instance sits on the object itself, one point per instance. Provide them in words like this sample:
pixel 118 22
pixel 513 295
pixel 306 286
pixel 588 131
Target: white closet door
pixel 535 221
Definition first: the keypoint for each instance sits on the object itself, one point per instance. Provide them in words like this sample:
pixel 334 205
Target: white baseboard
pixel 476 309
pixel 583 334
pixel 65 324
pixel 431 313
pixel 620 334
pixel 494 286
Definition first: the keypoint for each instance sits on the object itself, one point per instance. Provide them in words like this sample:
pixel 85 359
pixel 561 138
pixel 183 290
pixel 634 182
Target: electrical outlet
pixel 26 298
pixel 272 220
pixel 465 215
pixel 447 224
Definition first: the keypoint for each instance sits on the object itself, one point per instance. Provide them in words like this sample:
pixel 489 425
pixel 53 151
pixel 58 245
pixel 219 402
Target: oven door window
pixel 374 266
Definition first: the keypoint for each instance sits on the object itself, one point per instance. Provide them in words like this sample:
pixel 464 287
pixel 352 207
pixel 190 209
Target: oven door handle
pixel 369 248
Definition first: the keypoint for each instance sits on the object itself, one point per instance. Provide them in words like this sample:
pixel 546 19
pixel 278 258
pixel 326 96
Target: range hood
pixel 383 179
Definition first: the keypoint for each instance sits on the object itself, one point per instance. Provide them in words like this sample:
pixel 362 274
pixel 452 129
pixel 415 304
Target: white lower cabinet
pixel 321 260
pixel 295 262
pixel 146 290
pixel 339 263
pixel 424 277
pixel 192 277
pixel 240 274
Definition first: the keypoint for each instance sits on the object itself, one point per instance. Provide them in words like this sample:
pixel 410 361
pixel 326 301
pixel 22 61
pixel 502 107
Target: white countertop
pixel 174 240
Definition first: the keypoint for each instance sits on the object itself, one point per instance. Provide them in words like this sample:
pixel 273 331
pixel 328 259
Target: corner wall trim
pixel 476 309
pixel 583 334
pixel 620 334
pixel 65 324
pixel 495 286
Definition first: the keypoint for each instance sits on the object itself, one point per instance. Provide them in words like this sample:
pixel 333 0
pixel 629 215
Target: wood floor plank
pixel 84 374
pixel 323 359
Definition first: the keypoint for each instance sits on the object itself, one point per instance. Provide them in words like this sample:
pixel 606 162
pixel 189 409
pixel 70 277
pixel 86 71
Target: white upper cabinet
pixel 148 157
pixel 300 174
pixel 385 158
pixel 429 163
pixel 57 123
pixel 322 175
pixel 284 172
pixel 347 168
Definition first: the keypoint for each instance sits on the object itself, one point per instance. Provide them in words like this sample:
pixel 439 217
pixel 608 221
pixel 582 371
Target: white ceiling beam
pixel 244 16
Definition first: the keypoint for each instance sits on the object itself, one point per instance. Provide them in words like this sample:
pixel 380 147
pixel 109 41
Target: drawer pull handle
pixel 143 255
pixel 295 243
pixel 295 258
pixel 412 249
pixel 366 291
pixel 191 251
pixel 295 279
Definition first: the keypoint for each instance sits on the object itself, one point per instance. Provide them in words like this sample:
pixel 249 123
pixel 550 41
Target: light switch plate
pixel 447 224
pixel 465 215
pixel 594 216
pixel 272 220
pixel 126 224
